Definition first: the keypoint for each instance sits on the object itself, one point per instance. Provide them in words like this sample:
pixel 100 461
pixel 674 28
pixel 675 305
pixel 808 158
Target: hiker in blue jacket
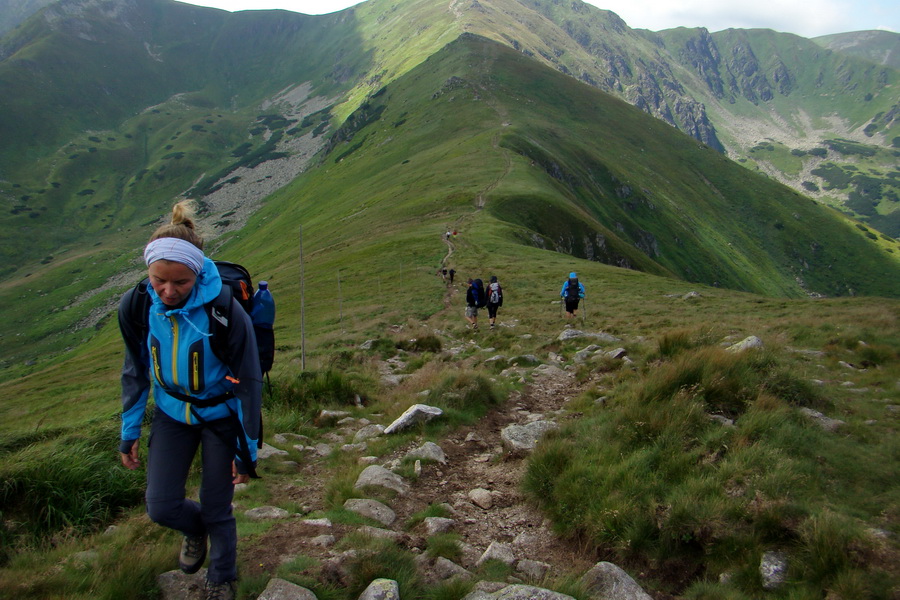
pixel 200 401
pixel 572 292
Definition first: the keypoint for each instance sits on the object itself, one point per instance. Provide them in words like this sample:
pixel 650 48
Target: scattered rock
pixel 723 420
pixel 826 423
pixel 521 439
pixel 372 509
pixel 333 415
pixel 606 580
pixel 316 524
pixel 481 498
pixel 527 592
pixel 497 551
pixel 266 512
pixel 279 589
pixel 773 569
pixel 429 451
pixel 570 334
pixel 746 344
pixel 415 414
pixel 548 371
pixel 435 525
pixel 287 438
pixel 377 532
pixel 447 569
pixel 323 541
pixel 175 585
pixel 532 569
pixel 268 451
pixel 377 476
pixel 382 589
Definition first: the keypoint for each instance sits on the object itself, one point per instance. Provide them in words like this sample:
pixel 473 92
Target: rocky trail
pixel 474 474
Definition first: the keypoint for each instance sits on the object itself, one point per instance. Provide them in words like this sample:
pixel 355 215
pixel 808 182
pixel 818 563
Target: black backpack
pixel 478 291
pixel 573 291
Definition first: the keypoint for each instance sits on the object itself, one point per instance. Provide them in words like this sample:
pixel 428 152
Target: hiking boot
pixel 220 591
pixel 193 553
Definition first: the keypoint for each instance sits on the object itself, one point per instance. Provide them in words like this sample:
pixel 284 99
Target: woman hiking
pixel 201 401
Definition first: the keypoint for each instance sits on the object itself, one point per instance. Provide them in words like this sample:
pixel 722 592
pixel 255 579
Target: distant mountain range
pixel 113 108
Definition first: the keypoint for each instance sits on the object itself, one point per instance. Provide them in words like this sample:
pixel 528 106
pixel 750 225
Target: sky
pixel 807 19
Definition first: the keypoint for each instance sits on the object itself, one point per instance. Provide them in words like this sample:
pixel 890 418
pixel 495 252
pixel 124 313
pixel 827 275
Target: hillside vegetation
pixel 539 175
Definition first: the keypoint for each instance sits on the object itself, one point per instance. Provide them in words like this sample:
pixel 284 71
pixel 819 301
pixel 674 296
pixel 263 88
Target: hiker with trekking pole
pixel 187 336
pixel 572 292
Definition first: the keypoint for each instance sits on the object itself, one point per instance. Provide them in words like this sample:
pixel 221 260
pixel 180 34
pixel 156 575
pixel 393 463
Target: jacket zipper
pixel 195 371
pixel 187 407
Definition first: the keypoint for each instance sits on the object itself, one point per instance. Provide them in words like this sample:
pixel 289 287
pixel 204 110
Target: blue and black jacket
pixel 176 356
pixel 564 292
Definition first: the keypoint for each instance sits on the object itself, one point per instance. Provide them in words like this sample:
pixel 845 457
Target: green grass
pixel 678 485
pixel 651 477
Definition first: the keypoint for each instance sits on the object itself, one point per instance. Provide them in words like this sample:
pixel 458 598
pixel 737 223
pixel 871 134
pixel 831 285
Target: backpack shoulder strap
pixel 137 304
pixel 219 313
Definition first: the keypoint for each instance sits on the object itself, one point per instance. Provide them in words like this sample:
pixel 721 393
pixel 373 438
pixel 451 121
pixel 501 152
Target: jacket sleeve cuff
pixel 125 446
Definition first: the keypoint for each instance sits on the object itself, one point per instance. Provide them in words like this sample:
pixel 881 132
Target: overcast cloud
pixel 808 19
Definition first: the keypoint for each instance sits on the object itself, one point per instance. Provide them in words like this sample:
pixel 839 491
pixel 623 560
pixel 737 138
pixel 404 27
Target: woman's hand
pixel 131 460
pixel 238 477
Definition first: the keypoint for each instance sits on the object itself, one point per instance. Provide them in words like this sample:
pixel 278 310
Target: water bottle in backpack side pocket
pixel 263 313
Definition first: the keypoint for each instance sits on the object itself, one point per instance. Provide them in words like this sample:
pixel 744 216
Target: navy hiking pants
pixel 172 447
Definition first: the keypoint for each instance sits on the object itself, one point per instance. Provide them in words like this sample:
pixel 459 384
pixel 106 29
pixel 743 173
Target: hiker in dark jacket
pixel 472 302
pixel 200 400
pixel 572 292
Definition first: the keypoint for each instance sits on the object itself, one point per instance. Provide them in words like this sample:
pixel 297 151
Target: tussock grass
pixel 80 490
pixel 446 545
pixel 652 477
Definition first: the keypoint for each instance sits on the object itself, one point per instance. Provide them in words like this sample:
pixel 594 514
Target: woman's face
pixel 172 281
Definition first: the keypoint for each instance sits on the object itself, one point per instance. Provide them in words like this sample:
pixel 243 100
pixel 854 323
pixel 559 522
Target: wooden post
pixel 302 309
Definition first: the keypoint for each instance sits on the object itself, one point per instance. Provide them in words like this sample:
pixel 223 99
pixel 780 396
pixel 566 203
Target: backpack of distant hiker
pixel 495 296
pixel 236 284
pixel 573 290
pixel 478 292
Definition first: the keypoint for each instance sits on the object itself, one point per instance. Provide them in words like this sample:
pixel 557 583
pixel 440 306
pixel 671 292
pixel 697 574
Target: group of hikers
pixel 491 297
pixel 196 334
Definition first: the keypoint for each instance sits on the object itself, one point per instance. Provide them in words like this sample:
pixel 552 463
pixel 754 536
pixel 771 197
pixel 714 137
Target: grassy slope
pixel 374 217
pixel 373 210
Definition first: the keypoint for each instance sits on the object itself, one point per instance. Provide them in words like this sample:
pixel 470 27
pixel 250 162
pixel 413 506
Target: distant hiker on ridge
pixel 572 292
pixel 494 299
pixel 452 273
pixel 200 400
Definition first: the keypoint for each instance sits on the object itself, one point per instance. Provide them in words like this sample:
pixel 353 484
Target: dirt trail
pixel 474 459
